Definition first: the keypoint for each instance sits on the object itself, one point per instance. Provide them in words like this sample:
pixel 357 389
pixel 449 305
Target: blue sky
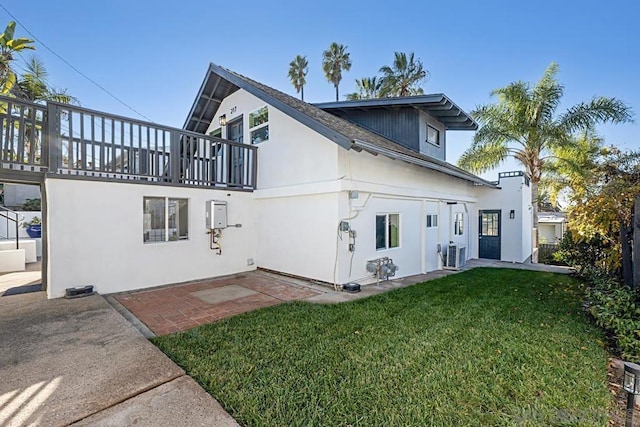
pixel 153 55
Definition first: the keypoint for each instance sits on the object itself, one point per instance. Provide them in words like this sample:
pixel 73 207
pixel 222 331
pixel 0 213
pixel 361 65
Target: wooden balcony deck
pixel 64 140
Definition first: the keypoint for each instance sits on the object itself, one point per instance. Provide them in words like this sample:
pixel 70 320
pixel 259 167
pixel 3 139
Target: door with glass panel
pixel 236 158
pixel 489 234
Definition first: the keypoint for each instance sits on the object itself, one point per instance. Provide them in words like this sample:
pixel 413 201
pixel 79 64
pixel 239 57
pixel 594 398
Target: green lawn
pixel 483 347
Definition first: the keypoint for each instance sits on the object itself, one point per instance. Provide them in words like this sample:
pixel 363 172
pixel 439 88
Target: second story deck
pixel 37 140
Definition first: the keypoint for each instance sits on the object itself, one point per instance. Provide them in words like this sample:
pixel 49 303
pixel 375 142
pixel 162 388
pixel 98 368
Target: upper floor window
pixel 432 220
pixel 259 125
pixel 458 224
pixel 387 231
pixel 216 133
pixel 433 135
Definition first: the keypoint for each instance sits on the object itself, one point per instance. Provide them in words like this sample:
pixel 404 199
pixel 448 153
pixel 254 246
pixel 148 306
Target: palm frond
pixel 546 96
pixel 404 76
pixel 599 110
pixel 481 157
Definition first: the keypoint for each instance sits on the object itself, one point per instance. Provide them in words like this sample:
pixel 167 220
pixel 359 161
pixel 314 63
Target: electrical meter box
pixel 216 214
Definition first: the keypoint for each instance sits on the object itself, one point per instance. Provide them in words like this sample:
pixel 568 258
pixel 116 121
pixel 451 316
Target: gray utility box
pixel 216 214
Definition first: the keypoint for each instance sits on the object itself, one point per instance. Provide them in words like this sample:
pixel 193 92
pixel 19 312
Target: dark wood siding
pixel 401 125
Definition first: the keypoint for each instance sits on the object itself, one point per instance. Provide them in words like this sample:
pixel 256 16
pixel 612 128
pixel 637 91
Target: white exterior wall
pixel 293 155
pixel 296 235
pixel 303 184
pixel 95 237
pixel 392 186
pixel 526 220
pixel 550 232
pixel 515 234
pixel 297 198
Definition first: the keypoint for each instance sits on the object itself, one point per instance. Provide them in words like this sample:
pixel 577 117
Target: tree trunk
pixel 302 92
pixel 336 93
pixel 625 240
pixel 534 207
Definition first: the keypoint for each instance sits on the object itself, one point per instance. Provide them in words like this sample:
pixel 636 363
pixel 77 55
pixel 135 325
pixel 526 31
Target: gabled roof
pixel 436 105
pixel 221 82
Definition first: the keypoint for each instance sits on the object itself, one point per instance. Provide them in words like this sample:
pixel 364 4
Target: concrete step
pixel 29 246
pixel 12 260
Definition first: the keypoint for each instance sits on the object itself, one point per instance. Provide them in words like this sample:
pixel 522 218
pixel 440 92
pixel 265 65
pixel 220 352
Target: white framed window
pixel 259 125
pixel 165 219
pixel 458 224
pixel 387 231
pixel 216 133
pixel 433 135
pixel 432 220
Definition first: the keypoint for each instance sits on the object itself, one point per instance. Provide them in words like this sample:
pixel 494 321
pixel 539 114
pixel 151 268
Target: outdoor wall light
pixel 631 385
pixel 512 214
pixel 223 120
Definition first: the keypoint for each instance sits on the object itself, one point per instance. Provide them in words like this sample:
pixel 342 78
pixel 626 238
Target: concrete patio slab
pixel 181 402
pixel 184 306
pixel 223 294
pixel 64 360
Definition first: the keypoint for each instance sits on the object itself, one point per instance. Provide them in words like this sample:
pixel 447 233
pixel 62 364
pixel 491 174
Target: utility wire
pixel 74 68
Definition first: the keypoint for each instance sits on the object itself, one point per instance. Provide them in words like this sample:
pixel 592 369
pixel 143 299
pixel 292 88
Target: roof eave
pixel 421 102
pixel 449 170
pixel 283 107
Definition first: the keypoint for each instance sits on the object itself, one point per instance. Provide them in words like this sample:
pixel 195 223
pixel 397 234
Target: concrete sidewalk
pixel 78 361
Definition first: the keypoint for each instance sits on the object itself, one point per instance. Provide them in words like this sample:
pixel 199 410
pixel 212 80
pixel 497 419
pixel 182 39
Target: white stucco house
pixel 259 179
pixel 551 227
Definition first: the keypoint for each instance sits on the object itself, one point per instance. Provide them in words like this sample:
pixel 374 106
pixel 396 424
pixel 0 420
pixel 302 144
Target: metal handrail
pixel 17 220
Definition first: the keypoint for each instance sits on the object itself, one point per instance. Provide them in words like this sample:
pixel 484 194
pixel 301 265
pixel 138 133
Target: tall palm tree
pixel 33 85
pixel 523 124
pixel 334 61
pixel 367 88
pixel 9 46
pixel 404 77
pixel 298 69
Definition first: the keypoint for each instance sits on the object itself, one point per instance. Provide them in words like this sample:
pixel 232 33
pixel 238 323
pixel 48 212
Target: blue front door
pixel 489 235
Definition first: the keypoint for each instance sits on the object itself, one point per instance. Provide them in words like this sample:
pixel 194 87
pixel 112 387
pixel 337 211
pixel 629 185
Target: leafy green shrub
pixel 582 254
pixel 32 205
pixel 616 309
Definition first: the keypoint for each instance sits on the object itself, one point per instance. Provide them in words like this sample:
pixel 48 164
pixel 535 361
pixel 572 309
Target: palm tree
pixel 334 60
pixel 33 85
pixel 298 69
pixel 570 167
pixel 404 77
pixel 523 124
pixel 367 88
pixel 9 46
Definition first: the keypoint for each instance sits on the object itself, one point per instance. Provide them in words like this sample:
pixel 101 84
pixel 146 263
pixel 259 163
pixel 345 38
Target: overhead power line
pixel 72 67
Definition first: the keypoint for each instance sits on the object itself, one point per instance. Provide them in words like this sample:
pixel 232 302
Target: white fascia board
pixel 340 185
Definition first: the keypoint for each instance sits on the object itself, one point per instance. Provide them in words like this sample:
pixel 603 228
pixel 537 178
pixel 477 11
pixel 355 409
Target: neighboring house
pixel 15 195
pixel 316 191
pixel 551 226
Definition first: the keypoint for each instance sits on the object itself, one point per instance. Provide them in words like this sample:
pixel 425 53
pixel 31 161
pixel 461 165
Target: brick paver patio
pixel 181 307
